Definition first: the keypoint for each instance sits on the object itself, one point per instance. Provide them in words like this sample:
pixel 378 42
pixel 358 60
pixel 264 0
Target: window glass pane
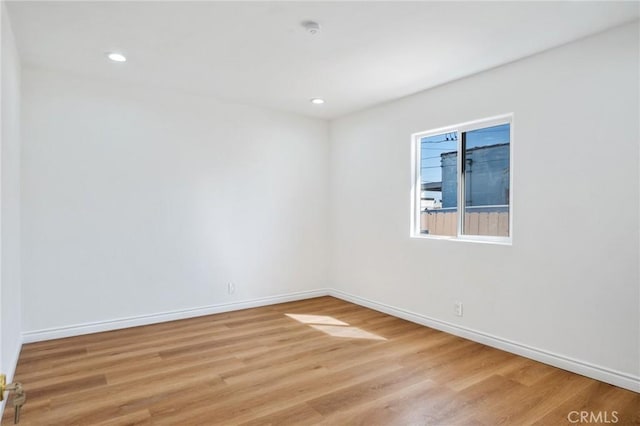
pixel 439 184
pixel 486 181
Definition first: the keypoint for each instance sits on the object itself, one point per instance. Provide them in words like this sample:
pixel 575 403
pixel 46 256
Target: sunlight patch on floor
pixel 334 327
pixel 350 332
pixel 316 319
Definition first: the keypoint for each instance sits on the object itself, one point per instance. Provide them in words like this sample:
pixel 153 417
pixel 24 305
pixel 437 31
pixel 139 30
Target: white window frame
pixel 416 180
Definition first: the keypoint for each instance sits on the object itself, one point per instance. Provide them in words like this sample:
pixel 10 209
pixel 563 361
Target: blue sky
pixel 433 146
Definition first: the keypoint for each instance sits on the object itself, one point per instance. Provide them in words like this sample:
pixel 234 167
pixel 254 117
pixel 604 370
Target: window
pixel 462 181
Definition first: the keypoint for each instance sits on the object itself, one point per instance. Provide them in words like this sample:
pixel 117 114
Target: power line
pixel 442 141
pixel 474 162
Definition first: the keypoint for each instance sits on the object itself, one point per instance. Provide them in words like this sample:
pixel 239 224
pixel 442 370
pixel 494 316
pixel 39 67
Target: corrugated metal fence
pixel 483 223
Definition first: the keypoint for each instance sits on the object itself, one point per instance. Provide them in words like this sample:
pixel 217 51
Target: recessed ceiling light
pixel 317 101
pixel 116 57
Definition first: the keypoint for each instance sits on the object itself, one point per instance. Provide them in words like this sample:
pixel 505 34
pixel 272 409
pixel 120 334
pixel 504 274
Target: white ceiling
pixel 257 53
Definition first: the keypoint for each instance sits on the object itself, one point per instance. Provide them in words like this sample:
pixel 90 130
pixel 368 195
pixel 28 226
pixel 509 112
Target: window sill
pixel 502 241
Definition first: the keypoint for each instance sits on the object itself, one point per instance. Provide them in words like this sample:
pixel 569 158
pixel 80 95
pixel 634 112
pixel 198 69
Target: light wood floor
pixel 327 362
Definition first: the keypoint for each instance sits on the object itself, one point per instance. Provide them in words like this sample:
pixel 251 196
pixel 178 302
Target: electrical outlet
pixel 457 308
pixel 231 288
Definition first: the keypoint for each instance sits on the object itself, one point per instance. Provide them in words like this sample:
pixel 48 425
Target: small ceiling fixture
pixel 317 101
pixel 116 57
pixel 311 27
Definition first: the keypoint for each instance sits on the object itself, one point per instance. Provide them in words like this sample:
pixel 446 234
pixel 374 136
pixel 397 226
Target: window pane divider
pixel 459 131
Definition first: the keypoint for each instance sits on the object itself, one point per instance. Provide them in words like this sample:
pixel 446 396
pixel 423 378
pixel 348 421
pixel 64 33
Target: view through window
pixel 465 166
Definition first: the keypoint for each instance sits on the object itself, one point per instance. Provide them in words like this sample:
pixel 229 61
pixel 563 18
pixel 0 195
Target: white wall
pixel 10 308
pixel 139 201
pixel 569 284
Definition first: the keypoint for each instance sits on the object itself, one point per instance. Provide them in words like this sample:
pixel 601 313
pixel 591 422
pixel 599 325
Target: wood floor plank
pixel 597 398
pixel 319 361
pixel 142 417
pixel 357 394
pixel 298 414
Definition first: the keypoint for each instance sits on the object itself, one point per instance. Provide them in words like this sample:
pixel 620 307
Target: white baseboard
pixel 603 374
pixel 584 368
pixel 116 324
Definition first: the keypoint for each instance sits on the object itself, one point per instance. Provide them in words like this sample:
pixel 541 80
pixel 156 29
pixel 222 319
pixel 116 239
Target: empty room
pixel 320 213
